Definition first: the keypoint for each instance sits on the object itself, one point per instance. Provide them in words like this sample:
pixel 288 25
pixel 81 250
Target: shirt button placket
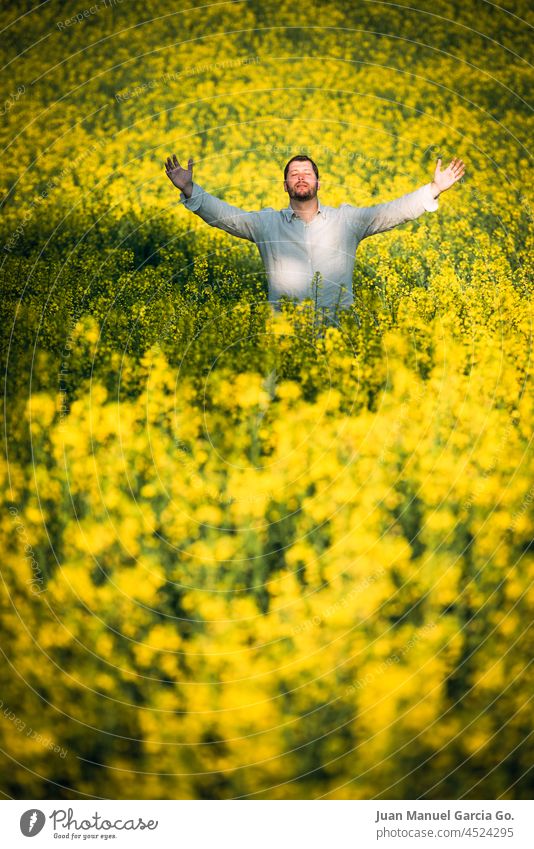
pixel 307 241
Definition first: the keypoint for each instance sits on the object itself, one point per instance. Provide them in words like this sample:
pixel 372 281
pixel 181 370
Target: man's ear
pixel 285 186
pixel 318 185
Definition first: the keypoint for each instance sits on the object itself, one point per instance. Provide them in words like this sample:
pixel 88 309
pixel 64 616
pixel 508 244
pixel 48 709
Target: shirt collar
pixel 289 211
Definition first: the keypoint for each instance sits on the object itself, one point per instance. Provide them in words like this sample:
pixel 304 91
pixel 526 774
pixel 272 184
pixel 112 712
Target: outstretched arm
pixel 368 220
pixel 212 210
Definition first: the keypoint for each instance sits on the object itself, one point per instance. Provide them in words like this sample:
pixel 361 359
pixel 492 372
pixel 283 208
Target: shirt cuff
pixel 430 203
pixel 193 202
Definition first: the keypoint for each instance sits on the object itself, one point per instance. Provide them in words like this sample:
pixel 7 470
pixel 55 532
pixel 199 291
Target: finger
pixel 190 164
pixel 176 163
pixel 169 164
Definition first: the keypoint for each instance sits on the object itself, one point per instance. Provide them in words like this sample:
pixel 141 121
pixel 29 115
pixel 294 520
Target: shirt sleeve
pixel 218 213
pixel 368 220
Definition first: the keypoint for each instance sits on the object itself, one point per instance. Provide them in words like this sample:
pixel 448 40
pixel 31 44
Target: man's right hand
pixel 182 178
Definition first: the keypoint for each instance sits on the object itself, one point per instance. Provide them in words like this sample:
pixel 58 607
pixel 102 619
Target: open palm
pixel 182 178
pixel 450 175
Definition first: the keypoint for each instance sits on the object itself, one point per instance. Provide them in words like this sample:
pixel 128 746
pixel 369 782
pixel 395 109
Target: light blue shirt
pixel 293 250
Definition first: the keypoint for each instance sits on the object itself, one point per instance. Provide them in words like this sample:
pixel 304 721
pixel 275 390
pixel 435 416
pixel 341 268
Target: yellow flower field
pixel 249 555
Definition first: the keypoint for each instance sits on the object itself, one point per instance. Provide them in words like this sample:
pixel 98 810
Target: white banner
pixel 268 824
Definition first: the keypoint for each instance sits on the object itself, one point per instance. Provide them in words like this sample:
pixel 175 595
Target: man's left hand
pixel 443 180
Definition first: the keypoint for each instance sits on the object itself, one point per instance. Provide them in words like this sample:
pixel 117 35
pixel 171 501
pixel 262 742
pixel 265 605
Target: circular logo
pixel 32 822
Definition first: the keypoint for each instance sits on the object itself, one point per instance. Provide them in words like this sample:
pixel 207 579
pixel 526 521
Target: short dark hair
pixel 301 157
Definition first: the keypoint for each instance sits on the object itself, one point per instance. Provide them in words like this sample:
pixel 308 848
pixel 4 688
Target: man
pixel 307 237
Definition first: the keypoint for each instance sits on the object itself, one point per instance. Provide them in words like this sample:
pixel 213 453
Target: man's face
pixel 301 182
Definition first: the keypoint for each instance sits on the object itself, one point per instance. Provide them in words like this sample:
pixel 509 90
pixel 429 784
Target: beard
pixel 303 192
